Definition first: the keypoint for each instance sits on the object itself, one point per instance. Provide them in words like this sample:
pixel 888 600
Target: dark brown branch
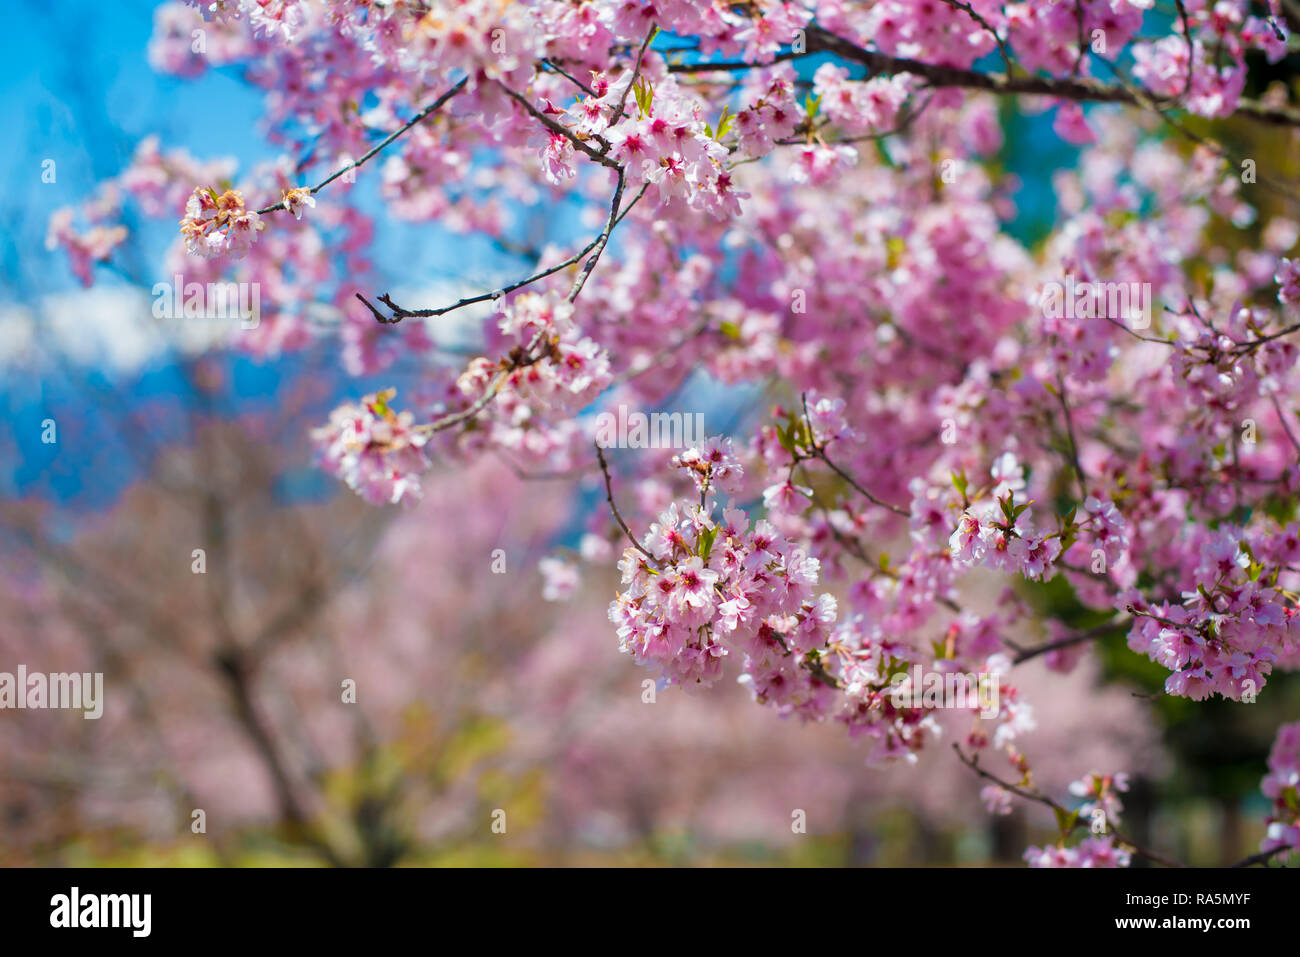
pixel 975 15
pixel 1059 809
pixel 1263 857
pixel 1083 90
pixel 579 144
pixel 609 497
pixel 597 244
pixel 819 452
pixel 1025 654
pixel 431 108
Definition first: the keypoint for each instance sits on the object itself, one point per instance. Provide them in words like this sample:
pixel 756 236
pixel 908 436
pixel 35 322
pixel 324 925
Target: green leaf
pixel 783 436
pixel 800 433
pixel 883 153
pixel 895 246
pixel 644 95
pixel 704 544
pixel 724 124
pixel 960 483
pixel 1066 820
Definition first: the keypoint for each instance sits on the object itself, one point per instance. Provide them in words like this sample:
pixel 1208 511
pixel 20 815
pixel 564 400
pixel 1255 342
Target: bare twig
pixel 1059 809
pixel 975 15
pixel 1263 857
pixel 1025 654
pixel 431 108
pixel 609 497
pixel 819 452
pixel 398 313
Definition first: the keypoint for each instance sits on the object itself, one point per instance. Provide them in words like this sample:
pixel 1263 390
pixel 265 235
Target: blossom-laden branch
pixel 821 41
pixel 1100 852
pixel 1098 814
pixel 811 448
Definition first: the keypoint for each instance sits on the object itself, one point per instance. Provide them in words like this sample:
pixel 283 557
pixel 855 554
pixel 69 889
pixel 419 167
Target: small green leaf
pixel 1066 820
pixel 960 483
pixel 704 545
pixel 783 436
pixel 724 124
pixel 895 246
pixel 644 95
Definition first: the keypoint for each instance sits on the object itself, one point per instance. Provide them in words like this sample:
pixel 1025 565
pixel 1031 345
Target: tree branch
pixel 431 108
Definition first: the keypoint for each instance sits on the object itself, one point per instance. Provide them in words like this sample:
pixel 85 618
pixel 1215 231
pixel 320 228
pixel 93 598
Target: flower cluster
pixel 1101 793
pixel 96 245
pixel 994 531
pixel 1230 628
pixel 551 367
pixel 378 452
pixel 1090 852
pixel 216 225
pixel 713 466
pixel 702 590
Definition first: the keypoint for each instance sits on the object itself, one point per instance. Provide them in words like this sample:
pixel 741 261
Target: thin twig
pixel 819 452
pixel 609 497
pixel 1059 809
pixel 636 71
pixel 400 312
pixel 974 15
pixel 1025 654
pixel 431 108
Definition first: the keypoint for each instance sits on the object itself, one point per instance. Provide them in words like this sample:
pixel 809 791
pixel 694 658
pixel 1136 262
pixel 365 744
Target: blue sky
pixel 78 89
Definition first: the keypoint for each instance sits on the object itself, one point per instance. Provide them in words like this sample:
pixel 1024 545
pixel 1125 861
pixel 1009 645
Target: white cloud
pixel 108 327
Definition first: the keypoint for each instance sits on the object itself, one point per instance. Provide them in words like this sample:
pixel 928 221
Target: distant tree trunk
pixel 1229 830
pixel 1136 821
pixel 1008 838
